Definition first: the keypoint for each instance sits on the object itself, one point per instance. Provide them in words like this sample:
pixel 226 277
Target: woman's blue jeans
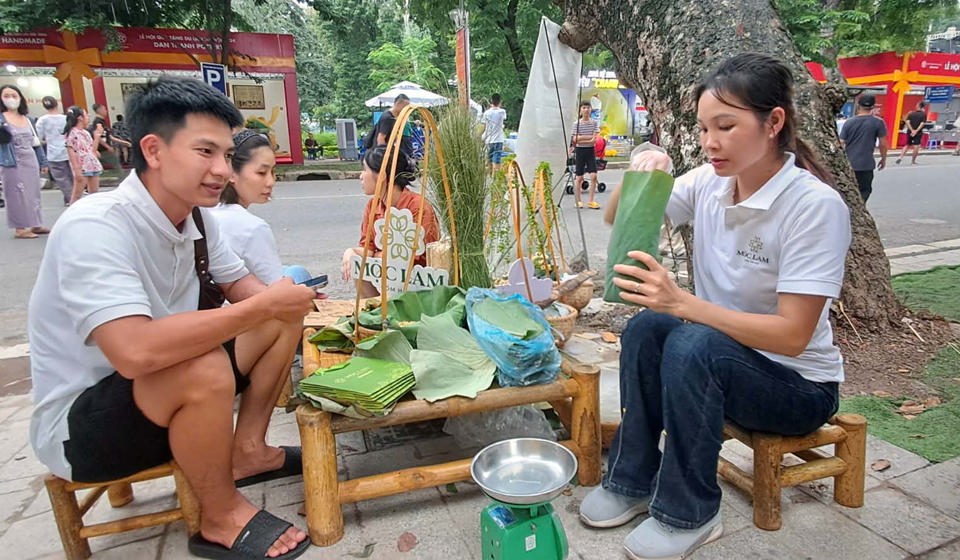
pixel 684 379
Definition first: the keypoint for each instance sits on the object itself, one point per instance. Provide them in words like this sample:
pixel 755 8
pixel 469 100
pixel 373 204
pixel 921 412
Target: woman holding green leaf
pixel 754 345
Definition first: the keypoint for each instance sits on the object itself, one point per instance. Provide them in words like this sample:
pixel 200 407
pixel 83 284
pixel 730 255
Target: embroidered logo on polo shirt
pixel 754 252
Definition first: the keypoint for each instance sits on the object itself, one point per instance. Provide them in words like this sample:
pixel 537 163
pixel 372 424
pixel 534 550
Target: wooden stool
pixel 578 396
pixel 848 433
pixel 69 513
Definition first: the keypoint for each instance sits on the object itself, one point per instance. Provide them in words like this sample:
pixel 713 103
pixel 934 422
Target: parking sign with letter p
pixel 214 75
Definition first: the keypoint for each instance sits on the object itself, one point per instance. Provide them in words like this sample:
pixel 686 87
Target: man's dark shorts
pixel 110 438
pixel 586 160
pixel 915 139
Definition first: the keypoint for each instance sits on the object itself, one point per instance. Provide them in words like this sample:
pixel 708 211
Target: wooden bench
pixel 68 511
pixel 577 390
pixel 848 434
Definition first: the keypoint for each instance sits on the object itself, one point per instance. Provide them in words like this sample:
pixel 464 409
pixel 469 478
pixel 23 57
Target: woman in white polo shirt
pixel 248 235
pixel 754 344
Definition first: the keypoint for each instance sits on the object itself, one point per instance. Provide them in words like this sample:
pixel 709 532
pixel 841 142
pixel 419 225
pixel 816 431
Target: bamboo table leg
pixel 69 520
pixel 585 422
pixel 321 488
pixel 848 486
pixel 120 494
pixel 189 503
pixel 766 481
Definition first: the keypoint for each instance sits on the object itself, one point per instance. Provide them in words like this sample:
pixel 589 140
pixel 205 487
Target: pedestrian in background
pixel 21 162
pixel 83 159
pixel 859 136
pixel 493 120
pixel 915 121
pixel 50 131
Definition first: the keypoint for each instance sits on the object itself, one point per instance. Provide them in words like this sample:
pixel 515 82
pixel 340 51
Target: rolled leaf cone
pixel 643 201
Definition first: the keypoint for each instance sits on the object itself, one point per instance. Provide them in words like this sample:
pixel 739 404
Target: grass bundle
pixel 464 153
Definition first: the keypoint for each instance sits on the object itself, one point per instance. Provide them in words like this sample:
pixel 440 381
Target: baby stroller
pixel 585 185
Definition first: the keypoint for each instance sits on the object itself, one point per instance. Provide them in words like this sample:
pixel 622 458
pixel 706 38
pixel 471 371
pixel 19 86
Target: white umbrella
pixel 417 95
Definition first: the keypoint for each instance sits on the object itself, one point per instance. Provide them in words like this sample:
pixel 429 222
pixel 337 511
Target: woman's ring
pixel 636 287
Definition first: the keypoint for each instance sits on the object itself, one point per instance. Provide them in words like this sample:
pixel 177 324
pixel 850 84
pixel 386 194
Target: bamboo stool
pixel 848 434
pixel 74 535
pixel 324 494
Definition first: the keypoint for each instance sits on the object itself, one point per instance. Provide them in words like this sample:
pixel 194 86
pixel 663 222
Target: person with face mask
pixel 22 161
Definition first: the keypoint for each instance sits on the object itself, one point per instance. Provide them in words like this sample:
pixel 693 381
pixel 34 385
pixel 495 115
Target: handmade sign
pixel 402 236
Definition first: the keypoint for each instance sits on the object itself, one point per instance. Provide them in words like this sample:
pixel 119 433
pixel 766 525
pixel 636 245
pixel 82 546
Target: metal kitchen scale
pixel 522 476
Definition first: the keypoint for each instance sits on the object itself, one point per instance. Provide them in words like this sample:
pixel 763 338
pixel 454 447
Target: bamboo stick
pixel 812 470
pixel 131 523
pixel 735 475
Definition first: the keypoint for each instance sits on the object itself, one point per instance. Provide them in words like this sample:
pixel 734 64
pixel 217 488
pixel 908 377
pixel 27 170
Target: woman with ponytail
pixel 754 344
pixel 83 159
pixel 375 162
pixel 251 182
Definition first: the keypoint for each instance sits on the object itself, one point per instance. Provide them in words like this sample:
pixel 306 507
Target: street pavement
pixel 912 508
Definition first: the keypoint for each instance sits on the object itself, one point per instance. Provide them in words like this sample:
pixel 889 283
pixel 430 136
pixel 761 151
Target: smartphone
pixel 316 282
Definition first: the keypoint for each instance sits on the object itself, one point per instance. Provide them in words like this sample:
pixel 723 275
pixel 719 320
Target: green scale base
pixel 522 532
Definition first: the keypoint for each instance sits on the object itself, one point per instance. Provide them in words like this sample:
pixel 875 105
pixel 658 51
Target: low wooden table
pixel 575 395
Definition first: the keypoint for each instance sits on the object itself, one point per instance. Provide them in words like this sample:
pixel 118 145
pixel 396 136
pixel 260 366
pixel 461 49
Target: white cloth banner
pixel 550 105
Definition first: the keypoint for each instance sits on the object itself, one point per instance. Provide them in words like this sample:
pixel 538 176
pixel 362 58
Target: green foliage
pixel 934 290
pixel 314 64
pixel 827 29
pixel 932 433
pixel 503 34
pixel 412 60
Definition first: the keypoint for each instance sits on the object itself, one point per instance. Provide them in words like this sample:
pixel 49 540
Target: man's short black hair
pixel 162 106
pixel 586 104
pixel 96 107
pixel 495 99
pixel 401 97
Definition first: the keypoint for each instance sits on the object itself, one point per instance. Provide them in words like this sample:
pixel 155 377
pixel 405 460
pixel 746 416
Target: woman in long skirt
pixel 21 160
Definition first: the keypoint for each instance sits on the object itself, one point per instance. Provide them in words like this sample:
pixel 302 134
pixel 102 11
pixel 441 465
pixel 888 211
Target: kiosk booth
pixel 84 69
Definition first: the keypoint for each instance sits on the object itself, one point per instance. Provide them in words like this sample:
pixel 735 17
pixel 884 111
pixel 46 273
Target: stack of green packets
pixel 364 383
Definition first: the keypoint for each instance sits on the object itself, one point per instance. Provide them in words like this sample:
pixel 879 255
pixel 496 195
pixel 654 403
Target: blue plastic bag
pixel 523 349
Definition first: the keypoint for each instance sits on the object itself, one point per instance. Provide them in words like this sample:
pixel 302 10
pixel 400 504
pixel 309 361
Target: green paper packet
pixel 643 201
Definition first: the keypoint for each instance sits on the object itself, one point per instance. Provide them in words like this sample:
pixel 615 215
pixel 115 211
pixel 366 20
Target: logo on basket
pixel 402 239
pixel 753 253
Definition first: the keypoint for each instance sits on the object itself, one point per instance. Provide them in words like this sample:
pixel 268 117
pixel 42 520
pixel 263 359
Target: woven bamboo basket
pixel 330 359
pixel 580 297
pixel 563 324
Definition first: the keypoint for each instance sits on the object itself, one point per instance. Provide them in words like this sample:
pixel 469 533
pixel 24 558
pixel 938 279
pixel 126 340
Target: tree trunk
pixel 665 47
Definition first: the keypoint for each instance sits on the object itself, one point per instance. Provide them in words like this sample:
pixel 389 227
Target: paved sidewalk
pixel 912 509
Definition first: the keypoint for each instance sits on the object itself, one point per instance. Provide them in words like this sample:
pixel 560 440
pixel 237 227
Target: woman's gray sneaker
pixel 655 540
pixel 605 508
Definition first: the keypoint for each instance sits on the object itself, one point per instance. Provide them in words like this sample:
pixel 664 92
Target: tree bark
pixel 664 48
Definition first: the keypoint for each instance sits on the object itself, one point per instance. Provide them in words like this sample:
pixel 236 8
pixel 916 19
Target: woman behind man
pixel 754 345
pixel 374 163
pixel 83 158
pixel 21 162
pixel 248 235
pixel 50 131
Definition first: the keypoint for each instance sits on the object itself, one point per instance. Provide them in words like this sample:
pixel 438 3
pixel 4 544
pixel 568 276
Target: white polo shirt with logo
pixel 791 236
pixel 110 255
